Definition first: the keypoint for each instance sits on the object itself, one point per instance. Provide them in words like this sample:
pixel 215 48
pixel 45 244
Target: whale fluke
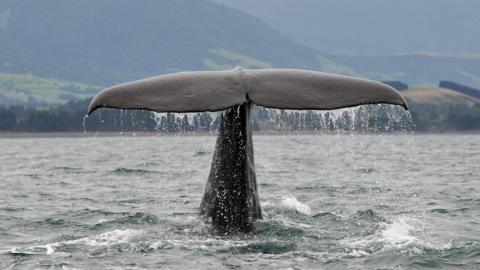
pixel 231 198
pixel 218 90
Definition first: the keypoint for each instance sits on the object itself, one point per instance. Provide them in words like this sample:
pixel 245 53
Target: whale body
pixel 231 199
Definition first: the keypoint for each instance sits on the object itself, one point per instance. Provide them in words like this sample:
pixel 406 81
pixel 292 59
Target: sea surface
pixel 329 201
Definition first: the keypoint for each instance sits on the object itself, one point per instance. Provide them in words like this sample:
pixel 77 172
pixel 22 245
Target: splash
pixel 291 202
pixel 402 233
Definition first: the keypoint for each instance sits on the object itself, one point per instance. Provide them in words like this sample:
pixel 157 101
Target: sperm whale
pixel 231 199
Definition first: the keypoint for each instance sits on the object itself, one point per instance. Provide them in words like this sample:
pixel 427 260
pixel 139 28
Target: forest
pixel 370 118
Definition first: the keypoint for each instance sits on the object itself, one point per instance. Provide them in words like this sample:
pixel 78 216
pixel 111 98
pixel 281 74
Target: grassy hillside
pixel 428 95
pixel 439 109
pixel 18 88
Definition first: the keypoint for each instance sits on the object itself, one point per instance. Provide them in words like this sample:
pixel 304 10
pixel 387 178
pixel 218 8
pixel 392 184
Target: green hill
pixel 436 96
pixel 440 109
pixel 19 89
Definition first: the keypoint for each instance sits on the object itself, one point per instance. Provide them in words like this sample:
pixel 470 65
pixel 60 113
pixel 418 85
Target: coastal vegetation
pixel 433 109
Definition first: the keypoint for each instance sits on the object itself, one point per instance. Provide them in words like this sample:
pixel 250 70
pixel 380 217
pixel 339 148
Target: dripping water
pixel 361 119
pixel 84 123
pixel 186 122
pixel 366 118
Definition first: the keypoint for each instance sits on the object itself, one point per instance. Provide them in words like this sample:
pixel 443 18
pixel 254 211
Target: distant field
pixel 438 96
pixel 20 88
pixel 226 59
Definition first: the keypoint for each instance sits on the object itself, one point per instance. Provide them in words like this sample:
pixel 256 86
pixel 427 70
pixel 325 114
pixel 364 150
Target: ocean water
pixel 329 202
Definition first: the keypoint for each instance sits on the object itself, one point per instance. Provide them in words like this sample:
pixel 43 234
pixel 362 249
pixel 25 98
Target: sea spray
pixel 291 202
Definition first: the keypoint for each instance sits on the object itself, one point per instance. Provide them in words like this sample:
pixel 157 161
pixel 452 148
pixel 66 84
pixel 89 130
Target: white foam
pixel 104 239
pixel 357 253
pixel 101 221
pixel 34 250
pixel 291 202
pixel 402 232
pixel 267 204
pixel 108 238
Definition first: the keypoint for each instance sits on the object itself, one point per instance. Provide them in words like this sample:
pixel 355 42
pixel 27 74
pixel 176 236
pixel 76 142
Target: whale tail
pixel 231 197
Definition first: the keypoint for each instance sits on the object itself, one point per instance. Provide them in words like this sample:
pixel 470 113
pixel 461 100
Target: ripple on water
pixel 200 153
pixel 266 247
pixel 380 217
pixel 130 219
pixel 439 211
pixel 278 229
pixel 368 216
pixel 127 171
pixel 68 169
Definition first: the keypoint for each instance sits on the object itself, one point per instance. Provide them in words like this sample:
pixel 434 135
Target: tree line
pixel 71 118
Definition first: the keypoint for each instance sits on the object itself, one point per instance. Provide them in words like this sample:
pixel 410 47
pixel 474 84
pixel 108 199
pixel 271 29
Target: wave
pixel 138 218
pixel 279 228
pixel 105 239
pixel 369 216
pixel 403 232
pixel 68 169
pixel 139 241
pixel 366 170
pixel 266 247
pixel 227 246
pixel 200 153
pixel 328 216
pixel 54 222
pixel 133 171
pixel 439 211
pixel 290 202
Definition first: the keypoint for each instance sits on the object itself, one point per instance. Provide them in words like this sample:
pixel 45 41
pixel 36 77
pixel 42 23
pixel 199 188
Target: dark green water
pixel 329 201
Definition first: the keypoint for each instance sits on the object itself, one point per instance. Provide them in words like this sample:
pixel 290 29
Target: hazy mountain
pixel 109 41
pixel 373 26
pixel 413 68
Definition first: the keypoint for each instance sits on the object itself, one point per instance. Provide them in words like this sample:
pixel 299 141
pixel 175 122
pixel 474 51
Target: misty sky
pixel 374 26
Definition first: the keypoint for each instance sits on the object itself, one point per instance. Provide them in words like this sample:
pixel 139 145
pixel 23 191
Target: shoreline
pixel 20 135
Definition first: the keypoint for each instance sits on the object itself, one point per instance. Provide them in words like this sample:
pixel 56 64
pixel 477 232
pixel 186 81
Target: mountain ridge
pixel 110 41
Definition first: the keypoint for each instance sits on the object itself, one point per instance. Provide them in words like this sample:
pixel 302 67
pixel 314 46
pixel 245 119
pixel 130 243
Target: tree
pixel 205 120
pixel 195 123
pixel 185 125
pixel 8 119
